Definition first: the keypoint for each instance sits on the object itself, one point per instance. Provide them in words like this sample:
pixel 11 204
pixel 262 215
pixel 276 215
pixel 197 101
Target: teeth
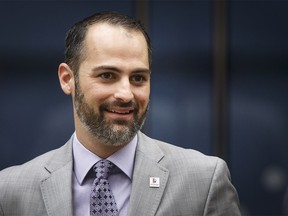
pixel 123 112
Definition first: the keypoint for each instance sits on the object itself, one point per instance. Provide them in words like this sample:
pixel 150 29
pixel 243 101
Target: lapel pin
pixel 154 182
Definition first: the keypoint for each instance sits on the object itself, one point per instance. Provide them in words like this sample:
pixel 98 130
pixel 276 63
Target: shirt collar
pixel 85 159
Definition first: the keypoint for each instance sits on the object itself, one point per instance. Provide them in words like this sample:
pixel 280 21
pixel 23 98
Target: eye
pixel 138 79
pixel 106 76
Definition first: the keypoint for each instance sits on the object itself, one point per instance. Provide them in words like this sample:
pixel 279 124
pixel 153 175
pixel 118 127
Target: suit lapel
pixel 144 199
pixel 56 187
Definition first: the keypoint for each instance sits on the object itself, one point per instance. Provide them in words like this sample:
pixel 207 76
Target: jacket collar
pixel 145 196
pixel 56 186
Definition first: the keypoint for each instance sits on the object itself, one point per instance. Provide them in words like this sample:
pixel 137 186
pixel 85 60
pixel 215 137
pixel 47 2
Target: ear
pixel 66 78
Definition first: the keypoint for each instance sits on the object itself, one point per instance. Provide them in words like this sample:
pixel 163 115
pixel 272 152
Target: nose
pixel 124 92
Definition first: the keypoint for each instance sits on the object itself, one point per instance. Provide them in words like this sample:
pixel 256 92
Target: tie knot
pixel 103 168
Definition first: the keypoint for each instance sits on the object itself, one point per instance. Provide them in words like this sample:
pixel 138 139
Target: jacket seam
pixel 1 210
pixel 210 186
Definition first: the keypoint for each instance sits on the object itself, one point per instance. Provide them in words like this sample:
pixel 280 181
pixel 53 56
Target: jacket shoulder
pixel 32 170
pixel 186 163
pixel 197 182
pixel 176 154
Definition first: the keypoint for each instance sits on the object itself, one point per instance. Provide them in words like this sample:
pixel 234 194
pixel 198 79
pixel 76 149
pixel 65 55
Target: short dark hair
pixel 77 33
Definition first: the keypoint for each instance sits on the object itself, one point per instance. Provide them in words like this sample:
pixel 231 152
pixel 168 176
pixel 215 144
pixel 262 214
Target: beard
pixel 111 133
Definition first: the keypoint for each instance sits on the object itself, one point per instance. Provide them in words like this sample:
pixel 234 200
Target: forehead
pixel 105 32
pixel 104 38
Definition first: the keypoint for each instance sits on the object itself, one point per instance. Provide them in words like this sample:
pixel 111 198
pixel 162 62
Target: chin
pixel 120 128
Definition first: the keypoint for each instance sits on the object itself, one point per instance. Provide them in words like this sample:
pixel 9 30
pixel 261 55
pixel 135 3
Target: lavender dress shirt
pixel 120 181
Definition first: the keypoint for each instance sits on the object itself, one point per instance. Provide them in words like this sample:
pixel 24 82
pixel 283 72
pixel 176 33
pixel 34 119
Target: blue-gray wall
pixel 35 116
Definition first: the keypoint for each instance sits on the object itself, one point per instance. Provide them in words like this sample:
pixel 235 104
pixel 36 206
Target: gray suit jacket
pixel 190 183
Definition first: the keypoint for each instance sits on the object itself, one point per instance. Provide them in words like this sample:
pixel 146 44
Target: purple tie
pixel 102 201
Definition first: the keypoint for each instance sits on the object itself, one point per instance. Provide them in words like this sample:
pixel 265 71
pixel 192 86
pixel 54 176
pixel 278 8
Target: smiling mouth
pixel 121 111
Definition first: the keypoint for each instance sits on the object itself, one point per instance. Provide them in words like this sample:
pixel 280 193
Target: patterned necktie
pixel 102 201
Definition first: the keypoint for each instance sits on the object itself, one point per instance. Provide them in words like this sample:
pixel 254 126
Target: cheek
pixel 97 94
pixel 142 97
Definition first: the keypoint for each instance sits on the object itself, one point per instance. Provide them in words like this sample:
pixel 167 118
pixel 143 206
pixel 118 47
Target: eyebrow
pixel 115 69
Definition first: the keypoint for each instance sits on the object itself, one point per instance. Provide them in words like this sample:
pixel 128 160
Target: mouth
pixel 121 111
pixel 122 114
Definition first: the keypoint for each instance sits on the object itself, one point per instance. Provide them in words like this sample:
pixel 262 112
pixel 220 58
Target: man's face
pixel 112 93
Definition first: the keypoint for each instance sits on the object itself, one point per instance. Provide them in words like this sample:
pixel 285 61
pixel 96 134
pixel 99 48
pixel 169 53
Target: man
pixel 107 73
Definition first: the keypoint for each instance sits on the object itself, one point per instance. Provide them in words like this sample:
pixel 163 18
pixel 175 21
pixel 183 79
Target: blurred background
pixel 219 84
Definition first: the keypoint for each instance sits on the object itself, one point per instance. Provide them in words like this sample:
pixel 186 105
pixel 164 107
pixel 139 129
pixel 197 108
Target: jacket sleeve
pixel 222 197
pixel 1 211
